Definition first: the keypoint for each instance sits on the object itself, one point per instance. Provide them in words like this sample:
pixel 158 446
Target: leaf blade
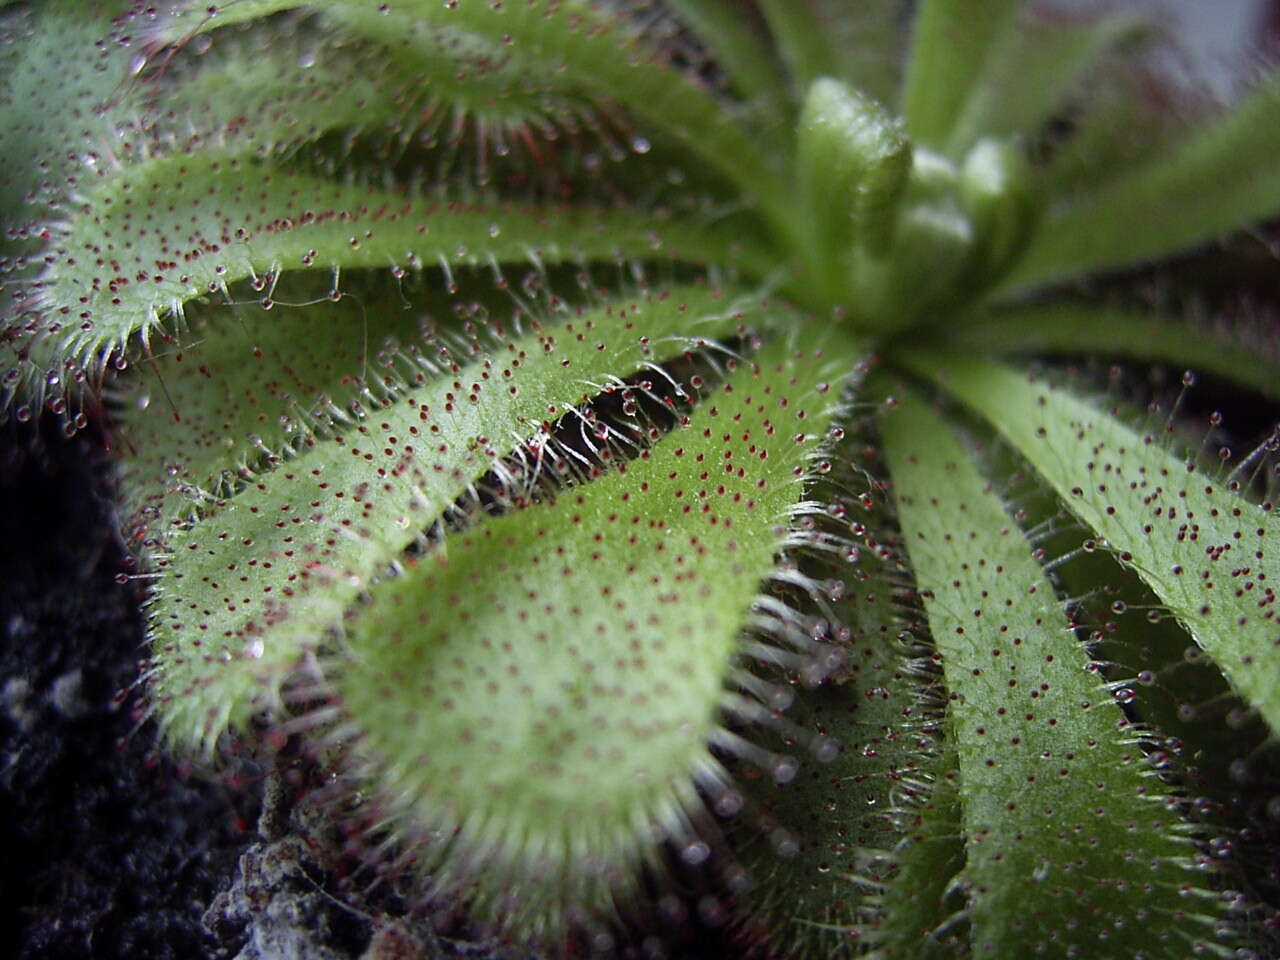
pixel 1082 329
pixel 1041 743
pixel 631 712
pixel 214 220
pixel 316 528
pixel 1205 551
pixel 1221 178
pixel 950 43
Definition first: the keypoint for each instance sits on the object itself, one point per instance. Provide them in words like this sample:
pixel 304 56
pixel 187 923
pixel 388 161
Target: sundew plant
pixel 629 437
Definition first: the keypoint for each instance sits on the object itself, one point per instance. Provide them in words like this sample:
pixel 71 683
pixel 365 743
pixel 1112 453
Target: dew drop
pixel 695 854
pixel 781 698
pixel 825 749
pixel 712 912
pixel 494 230
pixel 1220 846
pixel 729 804
pixel 307 59
pixel 1124 695
pixel 23 413
pixel 784 770
pixel 602 943
pixel 641 145
pixel 784 844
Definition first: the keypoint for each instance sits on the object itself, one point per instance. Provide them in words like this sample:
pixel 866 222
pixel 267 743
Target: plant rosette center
pixel 890 230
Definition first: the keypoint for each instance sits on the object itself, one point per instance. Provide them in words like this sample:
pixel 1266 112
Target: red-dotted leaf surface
pixel 1056 796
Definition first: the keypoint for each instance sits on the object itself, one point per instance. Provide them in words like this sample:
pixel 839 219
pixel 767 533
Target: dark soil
pixel 110 850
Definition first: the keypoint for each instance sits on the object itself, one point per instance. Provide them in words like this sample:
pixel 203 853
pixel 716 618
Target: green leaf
pixel 852 162
pixel 602 61
pixel 54 114
pixel 244 592
pixel 1218 179
pixel 738 48
pixel 1085 330
pixel 183 22
pixel 252 94
pixel 1096 835
pixel 950 45
pixel 238 387
pixel 1205 551
pixel 210 221
pixel 996 194
pixel 267 91
pixel 542 690
pixel 869 38
pixel 933 241
pixel 826 855
pixel 918 913
pixel 1031 69
pixel 806 48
